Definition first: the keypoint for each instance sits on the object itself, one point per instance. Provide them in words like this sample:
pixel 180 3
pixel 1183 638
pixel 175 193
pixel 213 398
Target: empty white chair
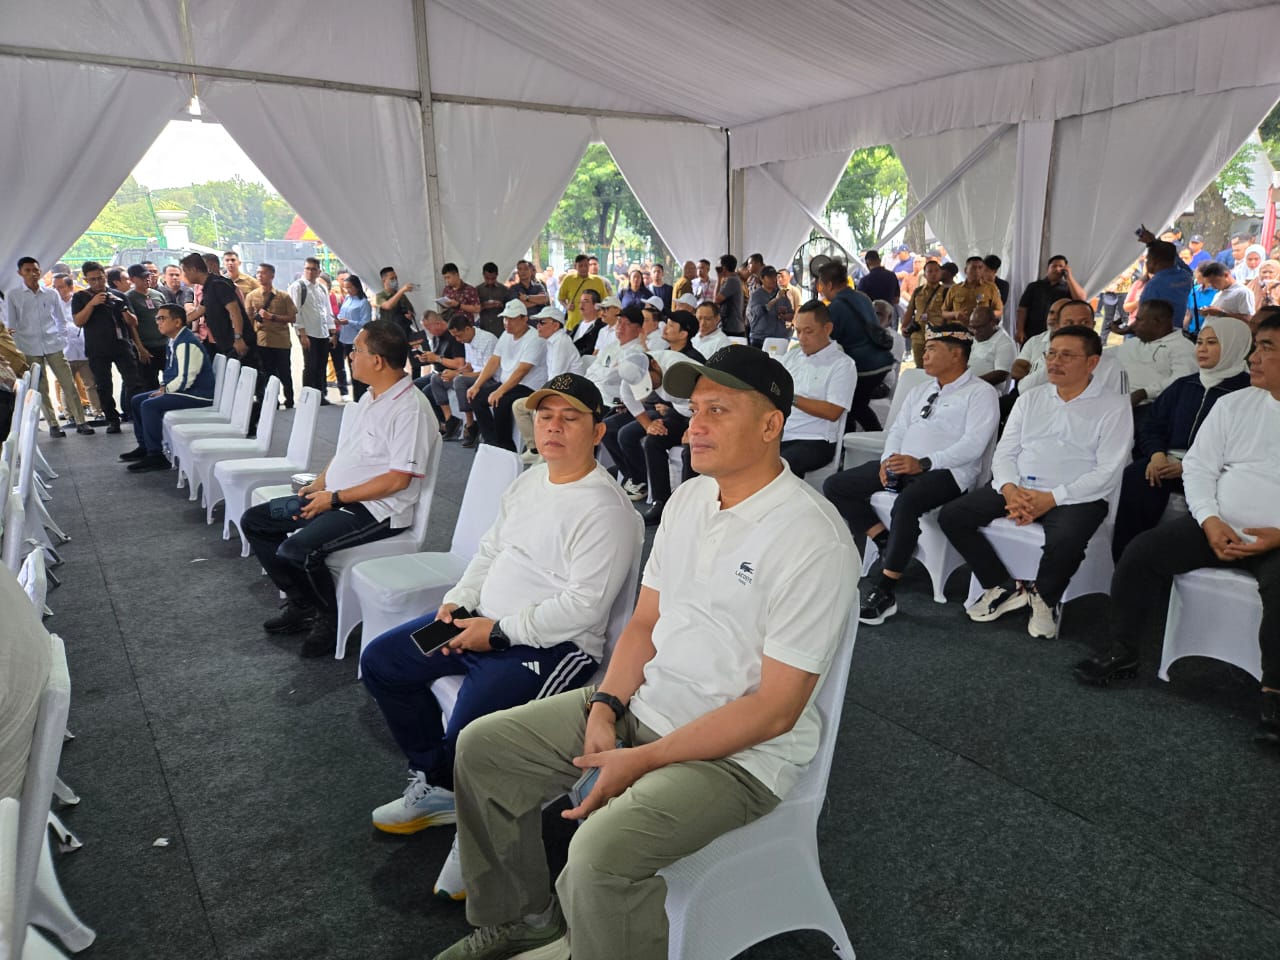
pixel 204 454
pixel 16 546
pixel 1214 612
pixel 219 412
pixel 776 346
pixel 867 445
pixel 16 942
pixel 385 592
pixel 816 478
pixel 35 581
pixel 765 878
pixel 185 434
pixel 235 480
pixel 410 540
pixel 883 406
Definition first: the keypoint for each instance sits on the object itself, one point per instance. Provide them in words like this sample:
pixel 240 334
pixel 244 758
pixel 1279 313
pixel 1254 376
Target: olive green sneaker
pixel 509 941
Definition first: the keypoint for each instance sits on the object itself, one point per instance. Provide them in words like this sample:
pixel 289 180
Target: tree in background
pixel 872 188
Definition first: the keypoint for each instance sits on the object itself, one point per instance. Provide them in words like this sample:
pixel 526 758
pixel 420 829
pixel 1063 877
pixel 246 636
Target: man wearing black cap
pixel 932 453
pixel 144 301
pixel 539 592
pixel 760 570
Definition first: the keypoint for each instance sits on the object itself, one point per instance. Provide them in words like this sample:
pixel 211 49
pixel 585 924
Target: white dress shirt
pixel 562 355
pixel 72 335
pixel 35 320
pixel 1033 352
pixel 1232 470
pixel 827 375
pixel 480 349
pixel 997 352
pixel 315 316
pixel 616 363
pixel 717 339
pixel 654 341
pixel 1153 366
pixel 1076 450
pixel 962 419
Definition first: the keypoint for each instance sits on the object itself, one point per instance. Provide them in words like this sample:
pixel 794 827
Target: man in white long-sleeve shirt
pixel 932 454
pixel 537 597
pixel 1157 354
pixel 825 378
pixel 1232 480
pixel 313 324
pixel 1060 457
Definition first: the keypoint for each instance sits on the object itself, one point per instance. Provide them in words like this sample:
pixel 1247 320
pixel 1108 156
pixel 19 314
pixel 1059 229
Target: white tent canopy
pixel 418 131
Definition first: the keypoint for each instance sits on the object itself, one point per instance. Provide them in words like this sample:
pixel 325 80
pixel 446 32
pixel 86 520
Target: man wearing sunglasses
pixel 932 454
pixel 1060 456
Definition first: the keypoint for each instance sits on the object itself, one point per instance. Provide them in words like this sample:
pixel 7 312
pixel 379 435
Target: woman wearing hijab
pixel 1169 429
pixel 1246 270
pixel 1265 286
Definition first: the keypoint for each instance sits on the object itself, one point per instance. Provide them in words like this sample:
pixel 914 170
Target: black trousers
pixel 805 455
pixel 6 411
pixel 860 411
pixel 338 356
pixel 274 361
pixel 1067 530
pixel 1140 586
pixel 655 450
pixel 120 354
pixel 341 360
pixel 1141 505
pixel 613 427
pixel 296 564
pixel 149 374
pixel 851 492
pixel 315 356
pixel 497 423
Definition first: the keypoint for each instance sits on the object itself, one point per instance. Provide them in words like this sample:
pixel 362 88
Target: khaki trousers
pixel 56 364
pixel 524 420
pixel 511 762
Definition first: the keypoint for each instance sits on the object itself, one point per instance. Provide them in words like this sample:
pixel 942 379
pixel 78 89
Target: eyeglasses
pixel 1059 355
pixel 368 353
pixel 928 405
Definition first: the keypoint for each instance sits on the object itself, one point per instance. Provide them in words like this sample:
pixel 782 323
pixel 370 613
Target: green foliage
pixel 598 212
pixel 247 212
pixel 1236 178
pixel 873 186
pixel 1269 131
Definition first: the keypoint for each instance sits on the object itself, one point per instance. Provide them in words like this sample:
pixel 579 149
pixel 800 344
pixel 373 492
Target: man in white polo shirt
pixel 460 376
pixel 709 337
pixel 536 599
pixel 517 367
pixel 1060 456
pixel 932 453
pixel 562 357
pixel 368 491
pixel 753 565
pixel 825 378
pixel 993 351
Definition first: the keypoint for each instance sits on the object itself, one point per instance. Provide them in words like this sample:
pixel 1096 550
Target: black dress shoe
pixel 294 618
pixel 84 428
pixel 152 461
pixel 137 453
pixel 1104 668
pixel 113 426
pixel 652 514
pixel 472 436
pixel 322 641
pixel 1268 729
pixel 57 432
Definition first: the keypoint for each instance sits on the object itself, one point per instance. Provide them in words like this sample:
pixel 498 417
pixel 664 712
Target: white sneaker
pixel 449 883
pixel 636 491
pixel 1044 618
pixel 996 602
pixel 421 806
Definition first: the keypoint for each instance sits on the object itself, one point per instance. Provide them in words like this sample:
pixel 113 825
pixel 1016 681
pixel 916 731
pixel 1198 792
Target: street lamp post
pixel 213 215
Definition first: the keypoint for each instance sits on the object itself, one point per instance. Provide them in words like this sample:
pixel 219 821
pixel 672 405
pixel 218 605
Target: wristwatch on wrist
pixel 237 337
pixel 497 639
pixel 609 700
pixel 335 501
pixel 925 464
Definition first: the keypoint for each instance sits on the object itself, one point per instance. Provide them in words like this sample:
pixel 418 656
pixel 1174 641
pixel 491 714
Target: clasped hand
pixel 1229 545
pixel 1024 505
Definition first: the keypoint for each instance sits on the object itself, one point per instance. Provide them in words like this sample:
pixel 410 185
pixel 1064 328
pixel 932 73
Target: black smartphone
pixel 286 508
pixel 436 634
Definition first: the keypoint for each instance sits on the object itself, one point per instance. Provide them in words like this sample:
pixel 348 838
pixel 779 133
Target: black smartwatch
pixel 497 639
pixel 334 500
pixel 609 700
pixel 925 464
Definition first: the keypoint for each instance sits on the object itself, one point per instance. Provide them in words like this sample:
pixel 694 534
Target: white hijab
pixel 1242 271
pixel 1235 338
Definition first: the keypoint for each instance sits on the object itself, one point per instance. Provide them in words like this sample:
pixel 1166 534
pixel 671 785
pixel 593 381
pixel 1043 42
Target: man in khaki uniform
pixel 924 309
pixel 974 292
pixel 273 312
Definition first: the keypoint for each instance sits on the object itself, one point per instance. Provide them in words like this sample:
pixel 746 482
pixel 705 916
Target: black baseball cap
pixel 138 270
pixel 740 368
pixel 581 393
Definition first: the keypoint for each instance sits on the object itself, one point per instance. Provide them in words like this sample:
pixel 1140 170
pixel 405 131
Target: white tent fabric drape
pixel 506 171
pixel 679 173
pixel 1030 188
pixel 350 164
pixel 975 215
pixel 774 219
pixel 60 173
pixel 1140 163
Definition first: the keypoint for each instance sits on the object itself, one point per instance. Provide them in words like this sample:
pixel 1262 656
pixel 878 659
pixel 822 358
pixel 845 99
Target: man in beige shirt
pixel 974 292
pixel 273 312
pixel 244 283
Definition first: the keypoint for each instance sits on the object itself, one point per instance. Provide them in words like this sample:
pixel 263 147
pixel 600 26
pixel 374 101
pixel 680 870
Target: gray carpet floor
pixel 982 804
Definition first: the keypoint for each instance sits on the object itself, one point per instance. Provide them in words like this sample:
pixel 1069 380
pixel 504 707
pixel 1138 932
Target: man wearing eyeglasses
pixel 932 453
pixel 1060 456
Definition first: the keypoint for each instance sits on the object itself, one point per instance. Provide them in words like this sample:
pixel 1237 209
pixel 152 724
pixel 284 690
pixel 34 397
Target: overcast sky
pixel 187 153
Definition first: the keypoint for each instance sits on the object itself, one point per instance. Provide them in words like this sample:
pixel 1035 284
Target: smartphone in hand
pixel 436 634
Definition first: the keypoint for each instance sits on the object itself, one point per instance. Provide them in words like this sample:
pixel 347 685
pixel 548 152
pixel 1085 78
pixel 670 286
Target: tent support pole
pixel 430 169
pixel 932 197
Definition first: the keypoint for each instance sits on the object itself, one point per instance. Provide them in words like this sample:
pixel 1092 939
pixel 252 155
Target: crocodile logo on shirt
pixel 745 573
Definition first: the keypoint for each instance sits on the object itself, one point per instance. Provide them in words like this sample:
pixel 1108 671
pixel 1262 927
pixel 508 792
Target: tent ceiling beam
pixel 577 111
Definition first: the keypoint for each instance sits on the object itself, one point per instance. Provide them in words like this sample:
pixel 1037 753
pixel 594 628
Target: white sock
pixel 540 921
